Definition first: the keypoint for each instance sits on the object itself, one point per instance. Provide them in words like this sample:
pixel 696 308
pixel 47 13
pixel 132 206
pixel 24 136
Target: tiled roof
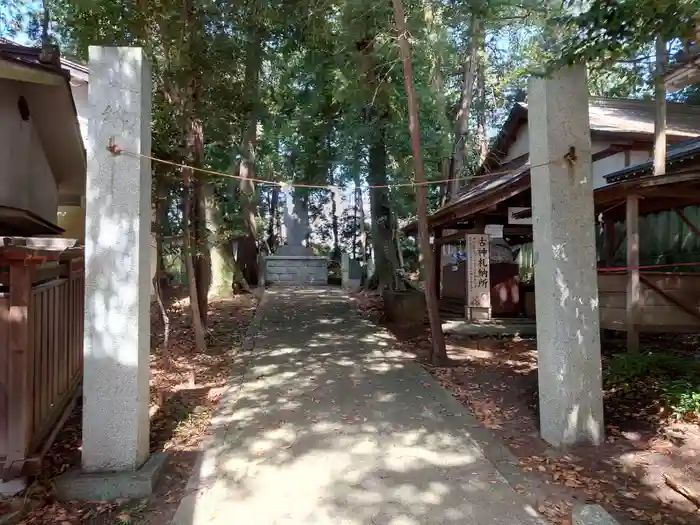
pixel 28 55
pixel 675 154
pixel 637 116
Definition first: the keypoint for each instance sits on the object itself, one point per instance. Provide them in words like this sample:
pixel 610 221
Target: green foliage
pixel 623 369
pixel 676 379
pixel 683 397
pixel 609 31
pixel 317 112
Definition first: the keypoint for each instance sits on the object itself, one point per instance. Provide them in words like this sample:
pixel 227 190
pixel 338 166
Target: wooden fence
pixel 669 301
pixel 41 357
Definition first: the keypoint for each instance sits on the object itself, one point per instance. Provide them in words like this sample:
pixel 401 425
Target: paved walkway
pixel 329 426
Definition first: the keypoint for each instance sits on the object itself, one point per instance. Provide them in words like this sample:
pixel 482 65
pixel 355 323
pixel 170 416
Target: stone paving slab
pixel 328 425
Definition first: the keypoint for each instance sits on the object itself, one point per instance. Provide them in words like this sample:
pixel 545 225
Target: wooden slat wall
pixel 658 314
pixel 41 356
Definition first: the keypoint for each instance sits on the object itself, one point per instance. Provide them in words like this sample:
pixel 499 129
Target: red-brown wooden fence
pixel 41 357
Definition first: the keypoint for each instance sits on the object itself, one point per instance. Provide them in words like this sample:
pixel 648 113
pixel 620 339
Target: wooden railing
pixel 41 358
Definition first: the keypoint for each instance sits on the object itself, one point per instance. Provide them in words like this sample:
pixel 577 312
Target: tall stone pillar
pixel 566 282
pixel 117 283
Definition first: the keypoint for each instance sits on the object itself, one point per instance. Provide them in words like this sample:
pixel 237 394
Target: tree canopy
pixel 313 93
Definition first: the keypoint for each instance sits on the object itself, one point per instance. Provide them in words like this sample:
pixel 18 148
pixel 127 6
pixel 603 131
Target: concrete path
pixel 328 425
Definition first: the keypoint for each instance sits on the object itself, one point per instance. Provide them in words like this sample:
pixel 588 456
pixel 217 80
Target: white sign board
pixel 494 230
pixel 478 278
pixel 515 220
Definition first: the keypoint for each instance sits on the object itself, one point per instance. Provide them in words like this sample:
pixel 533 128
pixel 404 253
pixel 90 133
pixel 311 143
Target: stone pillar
pixel 117 282
pixel 566 281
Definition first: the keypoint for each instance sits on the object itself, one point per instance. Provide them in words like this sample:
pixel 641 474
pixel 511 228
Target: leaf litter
pixel 185 388
pixel 496 378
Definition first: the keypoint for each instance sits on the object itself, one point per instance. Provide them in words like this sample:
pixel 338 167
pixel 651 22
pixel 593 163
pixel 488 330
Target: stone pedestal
pixel 296 269
pixel 566 285
pixel 351 273
pixel 117 281
pixel 405 307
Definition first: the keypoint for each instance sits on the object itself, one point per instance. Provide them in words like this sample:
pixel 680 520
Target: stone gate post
pixel 115 456
pixel 566 280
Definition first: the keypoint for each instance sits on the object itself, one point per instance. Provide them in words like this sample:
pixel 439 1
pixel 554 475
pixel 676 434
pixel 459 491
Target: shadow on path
pixel 329 425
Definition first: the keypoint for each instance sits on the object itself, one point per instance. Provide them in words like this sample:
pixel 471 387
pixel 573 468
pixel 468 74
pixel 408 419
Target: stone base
pixel 472 313
pixel 109 486
pixel 299 269
pixel 13 487
pixel 405 307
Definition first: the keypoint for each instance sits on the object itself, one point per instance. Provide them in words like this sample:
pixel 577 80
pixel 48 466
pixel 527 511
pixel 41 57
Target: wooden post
pixel 609 236
pixel 18 385
pixel 633 285
pixel 437 250
pixel 660 116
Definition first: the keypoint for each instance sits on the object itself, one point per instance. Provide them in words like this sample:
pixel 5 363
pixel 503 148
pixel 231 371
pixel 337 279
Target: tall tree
pixel 461 120
pixel 439 353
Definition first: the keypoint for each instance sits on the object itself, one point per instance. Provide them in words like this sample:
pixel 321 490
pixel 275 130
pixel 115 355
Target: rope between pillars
pixel 116 150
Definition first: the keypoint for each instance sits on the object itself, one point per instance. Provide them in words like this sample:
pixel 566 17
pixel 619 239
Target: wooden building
pixel 42 162
pixel 622 134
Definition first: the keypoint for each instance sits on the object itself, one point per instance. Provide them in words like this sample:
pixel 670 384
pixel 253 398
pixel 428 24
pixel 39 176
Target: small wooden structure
pixel 634 299
pixel 658 298
pixel 41 346
pixel 42 162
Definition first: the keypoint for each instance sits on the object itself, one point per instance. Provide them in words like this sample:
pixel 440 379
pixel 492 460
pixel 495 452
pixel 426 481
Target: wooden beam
pixel 679 303
pixel 687 222
pixel 510 230
pixel 653 205
pixel 11 70
pixel 18 365
pixel 633 287
pixel 461 211
pixel 660 113
pixel 437 251
pixel 686 192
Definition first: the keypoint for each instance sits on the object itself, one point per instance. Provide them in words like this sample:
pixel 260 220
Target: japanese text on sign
pixel 478 289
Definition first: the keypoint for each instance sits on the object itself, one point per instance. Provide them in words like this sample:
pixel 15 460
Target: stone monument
pixel 295 263
pixel 116 460
pixel 566 293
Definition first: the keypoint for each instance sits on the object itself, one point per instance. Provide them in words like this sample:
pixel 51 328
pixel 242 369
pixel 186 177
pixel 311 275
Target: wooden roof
pixel 45 85
pixel 630 119
pixel 676 189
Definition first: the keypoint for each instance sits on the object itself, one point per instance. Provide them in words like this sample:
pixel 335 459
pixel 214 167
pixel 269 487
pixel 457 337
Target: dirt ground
pixel 497 379
pixel 185 387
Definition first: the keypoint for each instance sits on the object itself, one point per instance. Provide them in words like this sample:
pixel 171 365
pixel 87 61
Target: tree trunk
pixel 220 249
pixel 248 253
pixel 195 153
pixel 481 137
pixel 163 312
pixel 384 247
pixel 439 353
pixel 197 325
pixel 462 117
pixel 162 205
pixel 201 255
